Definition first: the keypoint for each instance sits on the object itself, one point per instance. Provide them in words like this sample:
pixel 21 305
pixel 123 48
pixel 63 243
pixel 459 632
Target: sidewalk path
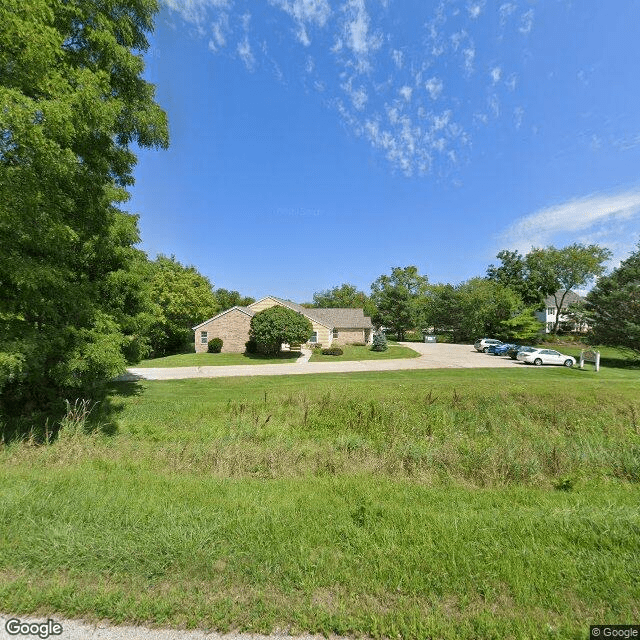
pixel 433 356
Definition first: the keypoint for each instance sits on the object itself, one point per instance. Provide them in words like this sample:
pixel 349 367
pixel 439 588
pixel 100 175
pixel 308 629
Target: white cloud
pixel 406 92
pixel 595 216
pixel 526 21
pixel 505 11
pixel 434 86
pixel 496 74
pixel 246 54
pixel 469 56
pixel 305 13
pixel 518 115
pixel 356 33
pixel 398 58
pixel 475 9
pixel 195 11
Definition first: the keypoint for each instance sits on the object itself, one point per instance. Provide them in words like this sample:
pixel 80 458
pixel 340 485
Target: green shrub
pixel 251 346
pixel 444 337
pixel 413 336
pixel 379 342
pixel 215 345
pixel 358 344
pixel 332 351
pixel 272 327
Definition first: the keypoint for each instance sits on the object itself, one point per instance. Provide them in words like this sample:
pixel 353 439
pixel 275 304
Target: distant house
pixel 549 314
pixel 330 326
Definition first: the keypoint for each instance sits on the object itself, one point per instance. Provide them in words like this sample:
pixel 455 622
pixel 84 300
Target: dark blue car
pixel 501 349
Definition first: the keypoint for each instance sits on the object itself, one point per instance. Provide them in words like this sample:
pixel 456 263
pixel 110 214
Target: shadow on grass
pixel 283 355
pixel 97 414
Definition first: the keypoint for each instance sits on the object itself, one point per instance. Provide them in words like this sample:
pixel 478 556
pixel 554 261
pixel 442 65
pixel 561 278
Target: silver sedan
pixel 546 356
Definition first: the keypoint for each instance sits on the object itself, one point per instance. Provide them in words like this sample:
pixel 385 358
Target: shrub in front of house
pixel 251 346
pixel 379 342
pixel 215 345
pixel 332 351
pixel 277 325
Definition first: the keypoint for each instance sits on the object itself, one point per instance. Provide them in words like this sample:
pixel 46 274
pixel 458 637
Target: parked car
pixel 545 356
pixel 513 352
pixel 483 344
pixel 501 349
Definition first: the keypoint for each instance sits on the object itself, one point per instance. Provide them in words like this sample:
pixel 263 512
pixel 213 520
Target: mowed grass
pixel 415 504
pixel 355 352
pixel 218 359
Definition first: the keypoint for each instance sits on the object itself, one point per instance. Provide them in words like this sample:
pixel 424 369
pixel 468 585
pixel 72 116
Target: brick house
pixel 330 326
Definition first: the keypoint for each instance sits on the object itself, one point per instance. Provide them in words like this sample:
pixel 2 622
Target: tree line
pixel 79 301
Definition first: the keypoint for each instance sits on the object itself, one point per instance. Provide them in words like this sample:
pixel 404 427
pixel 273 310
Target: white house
pixel 549 314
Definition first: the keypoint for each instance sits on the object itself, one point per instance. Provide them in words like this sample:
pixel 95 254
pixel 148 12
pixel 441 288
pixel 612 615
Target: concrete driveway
pixel 432 356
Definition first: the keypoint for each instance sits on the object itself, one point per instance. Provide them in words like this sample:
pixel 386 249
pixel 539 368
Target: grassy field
pixel 447 504
pixel 353 352
pixel 218 359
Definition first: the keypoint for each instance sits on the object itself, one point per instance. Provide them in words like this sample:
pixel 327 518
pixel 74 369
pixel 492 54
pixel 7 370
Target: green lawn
pixel 352 352
pixel 218 359
pixel 458 504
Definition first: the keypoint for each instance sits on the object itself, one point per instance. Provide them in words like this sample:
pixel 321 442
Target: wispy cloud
pixel 526 21
pixel 382 86
pixel 598 218
pixel 434 87
pixel 305 13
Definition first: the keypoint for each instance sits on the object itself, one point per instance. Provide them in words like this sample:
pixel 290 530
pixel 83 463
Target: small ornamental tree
pixel 271 327
pixel 379 342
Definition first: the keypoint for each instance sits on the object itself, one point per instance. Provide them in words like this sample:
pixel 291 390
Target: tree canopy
pixel 182 297
pixel 345 296
pixel 397 298
pixel 272 327
pixel 613 306
pixel 228 299
pixel 72 310
pixel 549 272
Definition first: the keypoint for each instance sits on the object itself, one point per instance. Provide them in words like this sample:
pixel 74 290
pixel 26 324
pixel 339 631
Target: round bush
pixel 215 345
pixel 251 346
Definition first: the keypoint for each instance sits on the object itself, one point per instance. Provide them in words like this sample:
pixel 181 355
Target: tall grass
pixel 499 504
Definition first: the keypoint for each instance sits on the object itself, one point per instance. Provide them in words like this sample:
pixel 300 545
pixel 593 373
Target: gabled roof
pixel 309 313
pixel 329 318
pixel 570 298
pixel 345 318
pixel 244 310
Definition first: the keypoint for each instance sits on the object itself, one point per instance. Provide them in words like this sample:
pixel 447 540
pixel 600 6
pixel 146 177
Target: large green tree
pixel 227 299
pixel 571 267
pixel 549 272
pixel 182 298
pixel 398 298
pixel 72 309
pixel 613 306
pixel 272 327
pixel 479 307
pixel 345 296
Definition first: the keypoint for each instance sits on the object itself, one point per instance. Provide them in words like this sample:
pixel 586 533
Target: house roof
pixel 569 299
pixel 330 318
pixel 345 318
pixel 244 310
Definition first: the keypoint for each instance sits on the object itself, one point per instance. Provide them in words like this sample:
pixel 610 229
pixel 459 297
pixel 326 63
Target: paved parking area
pixel 432 356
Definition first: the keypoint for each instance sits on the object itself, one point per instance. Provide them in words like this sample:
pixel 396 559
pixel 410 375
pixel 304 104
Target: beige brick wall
pixel 324 335
pixel 233 327
pixel 349 336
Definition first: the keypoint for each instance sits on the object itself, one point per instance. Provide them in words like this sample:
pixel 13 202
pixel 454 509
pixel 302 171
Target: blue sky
pixel 316 142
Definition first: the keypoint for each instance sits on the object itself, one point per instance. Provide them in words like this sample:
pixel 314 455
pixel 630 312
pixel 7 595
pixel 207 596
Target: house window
pixel 551 311
pixel 335 334
pixel 314 337
pixel 550 326
pixel 203 337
